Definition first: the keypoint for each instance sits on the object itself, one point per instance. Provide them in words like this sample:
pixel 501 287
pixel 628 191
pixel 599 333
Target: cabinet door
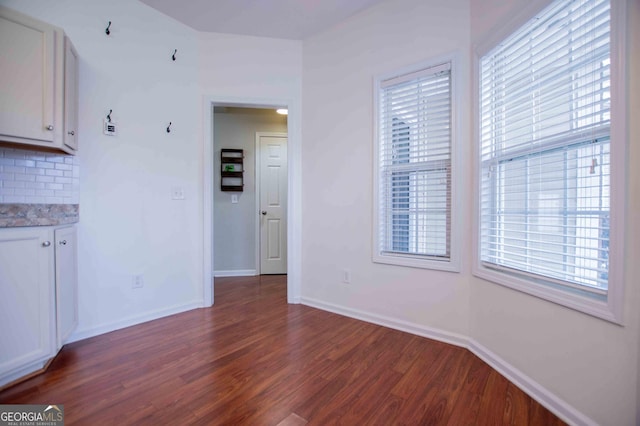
pixel 66 282
pixel 27 70
pixel 26 301
pixel 70 134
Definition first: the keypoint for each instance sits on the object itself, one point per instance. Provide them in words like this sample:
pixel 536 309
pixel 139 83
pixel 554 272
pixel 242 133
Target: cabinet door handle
pixel 46 244
pixel 63 243
pixel 49 127
pixel 71 133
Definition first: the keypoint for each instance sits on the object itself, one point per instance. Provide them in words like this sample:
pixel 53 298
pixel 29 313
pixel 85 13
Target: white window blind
pixel 545 139
pixel 414 154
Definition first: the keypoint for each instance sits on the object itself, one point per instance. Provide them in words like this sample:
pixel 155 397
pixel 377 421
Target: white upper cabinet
pixel 70 95
pixel 27 68
pixel 36 94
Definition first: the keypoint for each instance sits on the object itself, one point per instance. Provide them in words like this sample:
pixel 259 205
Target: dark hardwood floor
pixel 253 359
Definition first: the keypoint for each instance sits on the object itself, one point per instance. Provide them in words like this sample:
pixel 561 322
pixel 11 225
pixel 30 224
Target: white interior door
pixel 272 177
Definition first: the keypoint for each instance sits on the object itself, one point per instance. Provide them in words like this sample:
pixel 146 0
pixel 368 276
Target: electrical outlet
pixel 346 276
pixel 138 281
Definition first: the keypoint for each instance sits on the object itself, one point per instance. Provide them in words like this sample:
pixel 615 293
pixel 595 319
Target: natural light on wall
pixel 545 140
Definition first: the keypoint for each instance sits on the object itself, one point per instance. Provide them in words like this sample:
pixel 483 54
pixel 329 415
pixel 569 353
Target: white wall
pixel 129 224
pixel 250 71
pixel 338 68
pixel 235 224
pixel 240 67
pixel 586 366
pixel 633 207
pixel 589 363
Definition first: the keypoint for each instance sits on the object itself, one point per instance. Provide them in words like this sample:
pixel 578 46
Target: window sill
pixel 594 306
pixel 449 265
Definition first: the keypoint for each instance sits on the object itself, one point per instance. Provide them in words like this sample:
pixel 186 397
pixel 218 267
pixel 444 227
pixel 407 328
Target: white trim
pixel 257 194
pixel 419 73
pixel 294 203
pixel 550 401
pixel 620 166
pixel 256 179
pixel 502 30
pixel 207 204
pixel 611 309
pixel 453 263
pixel 535 390
pixel 294 189
pixel 33 367
pixel 133 320
pixel 236 273
pixel 385 321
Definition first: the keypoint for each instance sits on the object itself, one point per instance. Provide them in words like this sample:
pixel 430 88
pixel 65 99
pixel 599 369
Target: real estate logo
pixel 31 415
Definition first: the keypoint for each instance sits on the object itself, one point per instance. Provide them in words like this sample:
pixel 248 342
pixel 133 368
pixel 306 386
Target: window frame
pixel 611 307
pixel 452 264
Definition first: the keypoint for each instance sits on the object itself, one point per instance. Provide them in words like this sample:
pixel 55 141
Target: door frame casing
pixel 257 197
pixel 294 191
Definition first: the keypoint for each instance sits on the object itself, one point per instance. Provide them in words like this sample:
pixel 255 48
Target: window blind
pixel 414 188
pixel 545 160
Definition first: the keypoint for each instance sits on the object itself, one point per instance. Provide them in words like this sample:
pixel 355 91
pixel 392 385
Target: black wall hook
pixel 107 31
pixel 169 128
pixel 109 116
pixel 174 54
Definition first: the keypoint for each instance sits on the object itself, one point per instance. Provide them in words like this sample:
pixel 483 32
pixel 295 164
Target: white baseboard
pixel 553 403
pixel 236 273
pixel 132 320
pixel 409 327
pixel 31 369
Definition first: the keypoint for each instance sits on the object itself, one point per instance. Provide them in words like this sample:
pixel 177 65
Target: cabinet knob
pixel 50 127
pixel 71 133
pixel 264 212
pixel 46 244
pixel 63 243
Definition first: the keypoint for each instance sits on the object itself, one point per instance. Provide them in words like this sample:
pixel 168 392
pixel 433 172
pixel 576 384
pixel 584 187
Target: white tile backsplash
pixel 38 177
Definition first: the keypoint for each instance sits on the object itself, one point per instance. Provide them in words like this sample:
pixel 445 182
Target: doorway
pixel 294 190
pixel 243 236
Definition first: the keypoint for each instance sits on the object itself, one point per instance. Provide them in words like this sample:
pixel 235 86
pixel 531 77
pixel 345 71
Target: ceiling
pixel 288 19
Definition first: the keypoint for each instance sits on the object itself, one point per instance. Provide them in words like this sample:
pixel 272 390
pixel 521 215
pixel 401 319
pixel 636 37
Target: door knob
pixel 46 244
pixel 264 212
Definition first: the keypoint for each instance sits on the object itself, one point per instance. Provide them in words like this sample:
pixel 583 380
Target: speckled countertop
pixel 16 215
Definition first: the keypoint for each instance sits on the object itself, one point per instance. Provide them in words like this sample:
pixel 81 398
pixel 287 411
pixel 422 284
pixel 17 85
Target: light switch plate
pixel 177 193
pixel 234 198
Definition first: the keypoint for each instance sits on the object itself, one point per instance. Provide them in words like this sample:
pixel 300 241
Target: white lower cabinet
pixel 66 283
pixel 38 302
pixel 27 301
